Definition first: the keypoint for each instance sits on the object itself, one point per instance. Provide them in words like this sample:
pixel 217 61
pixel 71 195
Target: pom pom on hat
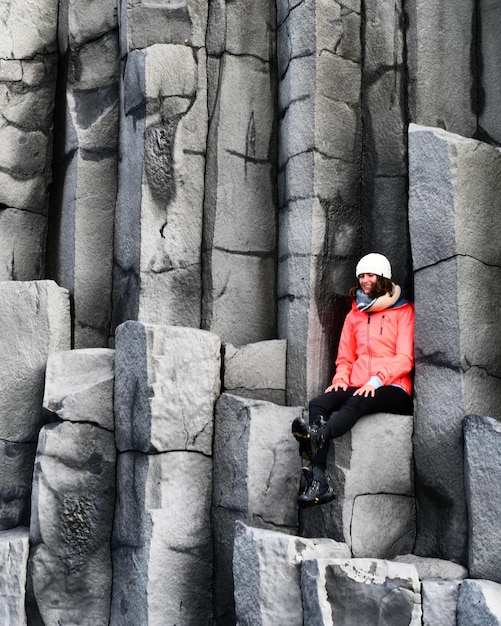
pixel 374 263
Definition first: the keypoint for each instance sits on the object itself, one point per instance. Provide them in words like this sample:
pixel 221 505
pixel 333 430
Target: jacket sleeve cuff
pixel 375 382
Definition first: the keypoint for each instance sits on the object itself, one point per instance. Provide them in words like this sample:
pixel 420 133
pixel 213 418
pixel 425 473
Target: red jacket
pixel 377 344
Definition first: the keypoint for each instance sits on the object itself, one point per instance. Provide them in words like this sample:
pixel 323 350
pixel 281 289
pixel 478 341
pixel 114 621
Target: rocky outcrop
pixel 14 550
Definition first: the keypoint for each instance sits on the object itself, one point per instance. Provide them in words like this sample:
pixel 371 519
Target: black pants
pixel 342 410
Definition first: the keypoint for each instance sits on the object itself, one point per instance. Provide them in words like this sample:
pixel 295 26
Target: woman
pixel 373 372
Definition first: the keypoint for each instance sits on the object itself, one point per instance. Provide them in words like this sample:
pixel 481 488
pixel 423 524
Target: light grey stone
pixel 35 321
pixel 360 591
pixel 162 555
pixel 79 385
pixel 479 603
pixel 440 600
pixel 256 478
pixel 22 241
pixel 429 568
pixel 449 174
pixel 145 23
pixel 23 33
pixel 81 257
pixel 374 510
pixel 457 369
pixel 167 379
pixel 256 370
pixel 482 437
pixel 14 549
pixel 266 571
pixel 318 181
pixel 440 77
pixel 158 232
pixel 72 515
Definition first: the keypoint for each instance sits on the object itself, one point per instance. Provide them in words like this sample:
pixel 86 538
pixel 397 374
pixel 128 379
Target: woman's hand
pixel 366 391
pixel 336 387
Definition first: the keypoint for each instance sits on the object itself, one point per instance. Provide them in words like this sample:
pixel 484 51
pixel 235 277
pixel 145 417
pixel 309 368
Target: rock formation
pixel 185 189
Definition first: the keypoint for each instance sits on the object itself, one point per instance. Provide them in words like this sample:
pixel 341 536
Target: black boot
pixel 319 491
pixel 305 480
pixel 310 438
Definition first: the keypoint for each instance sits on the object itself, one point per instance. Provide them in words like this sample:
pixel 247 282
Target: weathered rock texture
pixel 35 320
pixel 167 379
pixel 14 549
pixel 479 603
pixel 482 475
pixel 458 348
pixel 256 473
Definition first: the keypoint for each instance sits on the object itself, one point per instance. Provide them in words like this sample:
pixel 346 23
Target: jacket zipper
pixel 382 325
pixel 369 343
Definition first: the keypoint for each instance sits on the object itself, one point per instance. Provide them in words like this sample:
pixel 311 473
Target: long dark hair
pixel 381 287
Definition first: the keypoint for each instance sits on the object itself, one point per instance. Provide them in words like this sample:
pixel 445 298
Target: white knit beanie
pixel 374 263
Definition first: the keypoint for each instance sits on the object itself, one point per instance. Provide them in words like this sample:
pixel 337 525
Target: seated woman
pixel 373 372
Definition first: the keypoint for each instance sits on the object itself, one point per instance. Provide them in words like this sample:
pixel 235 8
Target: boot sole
pixel 325 498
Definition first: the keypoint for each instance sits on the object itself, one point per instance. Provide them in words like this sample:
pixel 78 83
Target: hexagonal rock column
pixel 35 320
pixel 489 53
pixel 266 571
pixel 256 473
pixel 28 67
pixel 70 574
pixel 166 383
pixel 482 437
pixel 440 601
pixel 14 548
pixel 441 76
pixel 158 232
pixel 479 603
pixel 374 511
pixel 240 195
pixel 80 250
pixel 360 591
pixel 458 345
pixel 319 157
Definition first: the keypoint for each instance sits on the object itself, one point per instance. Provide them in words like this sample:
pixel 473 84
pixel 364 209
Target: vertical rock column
pixel 240 196
pixel 167 380
pixel 69 574
pixel 80 250
pixel 35 320
pixel 454 213
pixel 489 59
pixel 14 549
pixel 28 66
pixel 319 189
pixel 163 132
pixel 384 170
pixel 441 75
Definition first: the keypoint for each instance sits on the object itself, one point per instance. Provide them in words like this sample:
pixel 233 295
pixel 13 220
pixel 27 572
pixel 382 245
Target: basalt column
pixel 319 65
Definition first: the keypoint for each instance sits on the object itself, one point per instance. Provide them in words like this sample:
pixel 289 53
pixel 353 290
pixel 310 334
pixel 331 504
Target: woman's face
pixel 367 282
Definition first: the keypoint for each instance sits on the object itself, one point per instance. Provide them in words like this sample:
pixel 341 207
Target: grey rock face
pixel 79 386
pixel 372 475
pixel 35 321
pixel 257 370
pixel 81 226
pixel 429 568
pixel 14 548
pixel 479 603
pixel 256 474
pixel 166 384
pixel 158 233
pixel 360 591
pixel 457 358
pixel 162 545
pixel 70 531
pixel 482 436
pixel 490 57
pixel 440 600
pixel 441 77
pixel 240 195
pixel 319 156
pixel 266 571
